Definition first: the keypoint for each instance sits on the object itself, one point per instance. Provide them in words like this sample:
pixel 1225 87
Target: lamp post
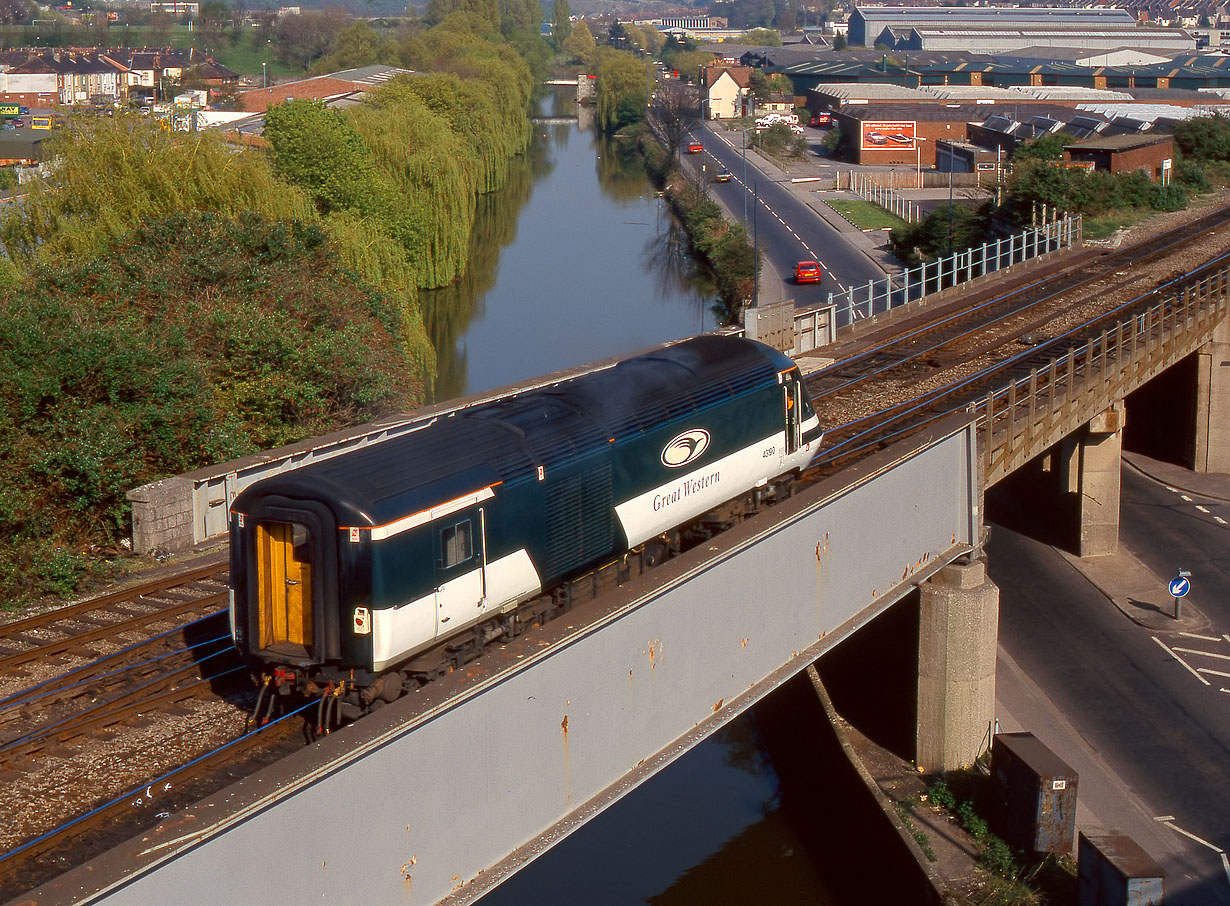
pixel 700 92
pixel 264 81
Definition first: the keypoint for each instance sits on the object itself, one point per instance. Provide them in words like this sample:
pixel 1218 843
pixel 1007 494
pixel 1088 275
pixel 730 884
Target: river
pixel 574 260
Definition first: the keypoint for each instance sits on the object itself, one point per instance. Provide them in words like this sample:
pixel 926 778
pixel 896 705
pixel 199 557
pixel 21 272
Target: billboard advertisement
pixel 887 135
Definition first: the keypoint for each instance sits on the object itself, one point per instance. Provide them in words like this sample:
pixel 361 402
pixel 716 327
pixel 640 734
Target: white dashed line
pixel 1219 520
pixel 1225 863
pixel 1212 672
pixel 1203 638
pixel 1189 667
pixel 1185 497
pixel 1172 490
pixel 1220 657
pixel 1203 509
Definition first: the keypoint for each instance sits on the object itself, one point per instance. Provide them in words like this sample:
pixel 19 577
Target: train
pixel 346 570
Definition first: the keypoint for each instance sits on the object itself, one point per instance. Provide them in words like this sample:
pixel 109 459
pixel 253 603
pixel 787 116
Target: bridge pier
pixel 1212 446
pixel 957 633
pixel 1100 448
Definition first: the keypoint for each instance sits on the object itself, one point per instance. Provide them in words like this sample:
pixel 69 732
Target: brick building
pixel 1149 154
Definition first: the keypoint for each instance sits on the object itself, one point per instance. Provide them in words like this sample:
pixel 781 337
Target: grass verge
pixel 865 215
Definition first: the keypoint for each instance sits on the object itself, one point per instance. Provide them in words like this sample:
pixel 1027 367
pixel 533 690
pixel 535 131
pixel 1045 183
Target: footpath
pixel 1105 799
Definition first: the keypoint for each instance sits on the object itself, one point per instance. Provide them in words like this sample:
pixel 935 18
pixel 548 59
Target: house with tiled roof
pixel 727 89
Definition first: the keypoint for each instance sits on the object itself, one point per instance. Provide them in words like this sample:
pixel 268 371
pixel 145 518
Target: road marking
pixel 1203 638
pixel 1227 691
pixel 1218 519
pixel 1164 818
pixel 1222 657
pixel 1185 497
pixel 1166 648
pixel 1172 490
pixel 1225 863
pixel 1212 672
pixel 1203 509
pixel 1226 636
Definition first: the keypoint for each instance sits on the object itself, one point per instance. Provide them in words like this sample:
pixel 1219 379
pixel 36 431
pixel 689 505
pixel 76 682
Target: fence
pixel 1021 420
pixel 878 296
pixel 867 187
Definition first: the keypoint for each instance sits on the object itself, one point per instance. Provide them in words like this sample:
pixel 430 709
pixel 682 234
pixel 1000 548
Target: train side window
pixel 301 543
pixel 457 544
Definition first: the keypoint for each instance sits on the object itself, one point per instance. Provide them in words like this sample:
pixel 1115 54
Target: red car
pixel 695 147
pixel 821 119
pixel 807 272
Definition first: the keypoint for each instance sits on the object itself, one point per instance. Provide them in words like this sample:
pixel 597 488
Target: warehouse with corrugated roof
pixel 867 23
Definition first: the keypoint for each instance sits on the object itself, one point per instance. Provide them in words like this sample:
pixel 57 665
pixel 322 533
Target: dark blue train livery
pixel 347 568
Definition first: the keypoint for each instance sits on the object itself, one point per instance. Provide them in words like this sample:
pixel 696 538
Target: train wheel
pixel 655 553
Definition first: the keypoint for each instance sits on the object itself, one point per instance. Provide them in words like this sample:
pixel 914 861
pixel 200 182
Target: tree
pixel 674 109
pixel 621 78
pixel 1045 147
pixel 15 12
pixel 561 23
pixel 765 37
pixel 1204 137
pixel 580 45
pixel 840 42
pixel 304 38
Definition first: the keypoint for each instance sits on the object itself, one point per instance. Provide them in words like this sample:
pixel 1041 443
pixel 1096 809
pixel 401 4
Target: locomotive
pixel 344 570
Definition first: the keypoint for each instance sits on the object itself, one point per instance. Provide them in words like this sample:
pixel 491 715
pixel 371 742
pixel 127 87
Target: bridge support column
pixel 957 632
pixel 1101 449
pixel 1212 453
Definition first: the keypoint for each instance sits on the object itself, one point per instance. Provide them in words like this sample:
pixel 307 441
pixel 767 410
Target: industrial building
pixel 867 24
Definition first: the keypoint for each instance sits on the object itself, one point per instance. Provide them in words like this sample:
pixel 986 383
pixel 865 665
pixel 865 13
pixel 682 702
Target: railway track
pixel 1025 312
pixel 117 653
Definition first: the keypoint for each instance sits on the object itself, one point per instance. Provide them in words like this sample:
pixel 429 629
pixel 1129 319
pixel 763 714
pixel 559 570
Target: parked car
pixel 807 272
pixel 695 147
pixel 823 118
pixel 722 175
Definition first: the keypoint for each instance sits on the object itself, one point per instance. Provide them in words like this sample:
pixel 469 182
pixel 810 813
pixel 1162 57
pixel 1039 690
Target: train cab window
pixel 457 544
pixel 301 543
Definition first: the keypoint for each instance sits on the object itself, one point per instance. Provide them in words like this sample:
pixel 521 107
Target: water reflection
pixel 575 259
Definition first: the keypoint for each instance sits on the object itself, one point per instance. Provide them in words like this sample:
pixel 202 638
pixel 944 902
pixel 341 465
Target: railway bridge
pixel 440 795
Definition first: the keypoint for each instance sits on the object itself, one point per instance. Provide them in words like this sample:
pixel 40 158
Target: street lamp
pixel 264 81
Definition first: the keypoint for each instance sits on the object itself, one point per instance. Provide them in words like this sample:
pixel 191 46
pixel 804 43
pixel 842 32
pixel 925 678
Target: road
pixel 784 227
pixel 1148 733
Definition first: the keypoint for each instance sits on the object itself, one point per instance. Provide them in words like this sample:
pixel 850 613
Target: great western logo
pixel 685 488
pixel 685 448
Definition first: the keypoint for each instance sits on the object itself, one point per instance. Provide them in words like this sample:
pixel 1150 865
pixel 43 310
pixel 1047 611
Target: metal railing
pixel 866 187
pixel 1021 420
pixel 877 296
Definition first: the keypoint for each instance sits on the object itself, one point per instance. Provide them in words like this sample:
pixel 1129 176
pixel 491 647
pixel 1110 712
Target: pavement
pixel 1105 799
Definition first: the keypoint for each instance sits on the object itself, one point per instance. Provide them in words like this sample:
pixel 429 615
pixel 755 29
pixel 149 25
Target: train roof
pixel 508 438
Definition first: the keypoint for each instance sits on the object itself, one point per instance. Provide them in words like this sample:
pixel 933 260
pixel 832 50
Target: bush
pixel 196 340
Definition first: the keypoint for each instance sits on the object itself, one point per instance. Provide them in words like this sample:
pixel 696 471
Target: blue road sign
pixel 1180 586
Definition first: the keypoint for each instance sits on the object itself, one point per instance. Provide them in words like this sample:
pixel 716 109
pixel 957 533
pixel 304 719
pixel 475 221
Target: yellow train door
pixel 284 586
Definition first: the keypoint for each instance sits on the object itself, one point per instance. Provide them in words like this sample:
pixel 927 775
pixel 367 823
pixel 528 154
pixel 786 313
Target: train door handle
pixel 292 581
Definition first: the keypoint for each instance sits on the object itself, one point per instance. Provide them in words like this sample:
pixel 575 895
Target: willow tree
pixel 316 149
pixel 493 132
pixel 433 169
pixel 110 173
pixel 621 76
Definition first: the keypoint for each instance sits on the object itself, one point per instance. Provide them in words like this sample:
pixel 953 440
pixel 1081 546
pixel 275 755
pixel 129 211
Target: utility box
pixel 1113 870
pixel 771 324
pixel 1034 795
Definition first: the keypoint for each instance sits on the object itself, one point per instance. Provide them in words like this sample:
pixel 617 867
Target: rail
pixel 878 296
pixel 1022 419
